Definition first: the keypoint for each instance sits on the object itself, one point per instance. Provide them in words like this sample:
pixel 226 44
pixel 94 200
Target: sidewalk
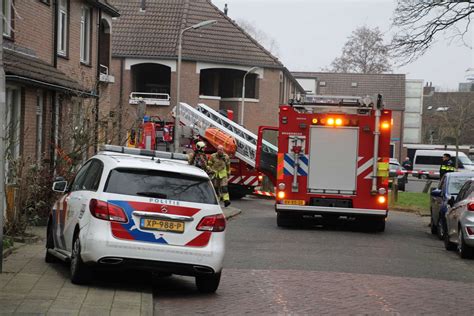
pixel 29 286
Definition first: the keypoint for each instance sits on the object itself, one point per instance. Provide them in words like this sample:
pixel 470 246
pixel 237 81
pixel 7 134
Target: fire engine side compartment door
pixel 333 157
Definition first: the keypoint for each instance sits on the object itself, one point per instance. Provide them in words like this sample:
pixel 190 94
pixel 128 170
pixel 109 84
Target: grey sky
pixel 311 33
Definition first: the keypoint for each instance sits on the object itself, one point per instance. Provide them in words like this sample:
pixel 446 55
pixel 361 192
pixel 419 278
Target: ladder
pixel 202 117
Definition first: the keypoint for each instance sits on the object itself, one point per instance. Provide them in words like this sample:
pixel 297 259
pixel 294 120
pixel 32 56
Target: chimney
pixel 143 6
pixel 226 9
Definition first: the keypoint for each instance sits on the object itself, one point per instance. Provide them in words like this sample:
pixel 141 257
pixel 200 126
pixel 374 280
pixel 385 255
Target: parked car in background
pixel 397 171
pixel 138 209
pixel 448 187
pixel 460 222
pixel 427 162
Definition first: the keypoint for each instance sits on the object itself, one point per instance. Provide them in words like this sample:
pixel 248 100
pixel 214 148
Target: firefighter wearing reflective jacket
pixel 198 158
pixel 446 165
pixel 219 165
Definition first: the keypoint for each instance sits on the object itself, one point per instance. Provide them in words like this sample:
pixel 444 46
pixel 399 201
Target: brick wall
pixel 33 28
pixel 71 65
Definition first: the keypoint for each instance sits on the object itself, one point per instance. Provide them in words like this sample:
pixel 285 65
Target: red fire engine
pixel 214 129
pixel 332 160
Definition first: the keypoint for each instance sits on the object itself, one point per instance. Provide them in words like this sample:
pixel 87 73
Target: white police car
pixel 132 208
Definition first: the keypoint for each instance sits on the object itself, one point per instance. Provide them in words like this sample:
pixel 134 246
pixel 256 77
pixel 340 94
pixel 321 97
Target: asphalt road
pixel 333 270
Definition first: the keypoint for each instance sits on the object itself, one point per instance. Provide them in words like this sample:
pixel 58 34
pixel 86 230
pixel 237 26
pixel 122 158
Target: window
pixel 7 17
pixel 85 34
pixel 39 124
pixel 13 121
pixel 62 27
pixel 160 184
pixel 93 176
pixel 80 178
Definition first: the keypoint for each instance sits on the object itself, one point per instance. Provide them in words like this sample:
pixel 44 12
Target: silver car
pixel 460 222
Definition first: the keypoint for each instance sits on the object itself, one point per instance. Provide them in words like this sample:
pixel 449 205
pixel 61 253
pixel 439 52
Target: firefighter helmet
pixel 200 145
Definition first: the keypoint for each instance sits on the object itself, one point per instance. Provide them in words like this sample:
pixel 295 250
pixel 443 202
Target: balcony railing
pixel 105 76
pixel 150 98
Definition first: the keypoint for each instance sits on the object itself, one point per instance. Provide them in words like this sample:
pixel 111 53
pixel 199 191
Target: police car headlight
pixel 382 191
pixel 281 186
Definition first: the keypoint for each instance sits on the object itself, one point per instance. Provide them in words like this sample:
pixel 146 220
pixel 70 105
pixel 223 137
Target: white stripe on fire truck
pixel 365 166
pixel 250 180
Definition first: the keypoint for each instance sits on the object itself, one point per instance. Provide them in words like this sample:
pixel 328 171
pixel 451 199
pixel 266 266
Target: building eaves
pixel 28 69
pixel 105 6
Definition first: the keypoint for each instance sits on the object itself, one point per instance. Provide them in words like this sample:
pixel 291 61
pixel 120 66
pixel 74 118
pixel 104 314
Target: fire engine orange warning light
pixel 381 199
pixel 314 121
pixel 385 125
pixel 330 121
pixel 338 122
pixel 281 195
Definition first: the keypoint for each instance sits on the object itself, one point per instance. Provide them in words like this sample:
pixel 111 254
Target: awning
pixel 27 69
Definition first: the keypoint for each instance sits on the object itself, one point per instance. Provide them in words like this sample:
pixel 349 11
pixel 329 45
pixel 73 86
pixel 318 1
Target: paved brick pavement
pixel 271 292
pixel 29 286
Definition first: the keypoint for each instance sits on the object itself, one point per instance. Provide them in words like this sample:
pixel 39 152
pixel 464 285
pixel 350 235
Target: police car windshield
pixel 168 185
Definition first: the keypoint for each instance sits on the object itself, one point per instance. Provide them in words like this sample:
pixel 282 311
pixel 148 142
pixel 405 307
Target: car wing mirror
pixel 435 192
pixel 451 201
pixel 60 186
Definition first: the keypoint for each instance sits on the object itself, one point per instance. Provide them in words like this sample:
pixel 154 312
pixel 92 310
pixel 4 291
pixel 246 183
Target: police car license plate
pixel 293 202
pixel 162 225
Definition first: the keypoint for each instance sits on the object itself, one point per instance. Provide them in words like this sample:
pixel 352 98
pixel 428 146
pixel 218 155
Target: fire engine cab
pixel 332 160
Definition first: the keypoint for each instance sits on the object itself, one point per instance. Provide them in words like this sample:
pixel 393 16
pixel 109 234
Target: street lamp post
pixel 242 107
pixel 177 120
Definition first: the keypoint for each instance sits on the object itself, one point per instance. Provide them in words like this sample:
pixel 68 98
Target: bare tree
pixel 420 22
pixel 457 119
pixel 260 36
pixel 364 52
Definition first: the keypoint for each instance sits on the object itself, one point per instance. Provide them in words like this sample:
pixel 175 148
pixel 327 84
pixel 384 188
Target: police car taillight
pixel 106 211
pixel 213 223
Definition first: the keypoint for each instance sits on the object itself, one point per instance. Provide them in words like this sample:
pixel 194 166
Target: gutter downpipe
pixel 54 96
pixel 97 92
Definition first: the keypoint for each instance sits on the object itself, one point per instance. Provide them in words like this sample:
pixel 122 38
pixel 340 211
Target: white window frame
pixel 62 27
pixel 13 107
pixel 39 124
pixel 85 34
pixel 7 18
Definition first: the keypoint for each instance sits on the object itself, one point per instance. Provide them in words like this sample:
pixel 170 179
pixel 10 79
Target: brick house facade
pixel 51 61
pixel 391 86
pixel 214 62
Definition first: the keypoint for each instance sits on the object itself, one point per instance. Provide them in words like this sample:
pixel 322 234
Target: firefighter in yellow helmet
pixel 219 165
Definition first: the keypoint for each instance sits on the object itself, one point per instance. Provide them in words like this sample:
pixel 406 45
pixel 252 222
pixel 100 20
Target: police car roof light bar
pixel 143 152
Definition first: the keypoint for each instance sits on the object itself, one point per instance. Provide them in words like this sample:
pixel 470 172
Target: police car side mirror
pixel 60 186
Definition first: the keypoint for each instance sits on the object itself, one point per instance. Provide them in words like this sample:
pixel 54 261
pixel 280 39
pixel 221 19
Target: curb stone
pixel 10 250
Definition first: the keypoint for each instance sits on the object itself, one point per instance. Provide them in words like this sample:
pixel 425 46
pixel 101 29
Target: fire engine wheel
pixel 288 220
pixel 375 224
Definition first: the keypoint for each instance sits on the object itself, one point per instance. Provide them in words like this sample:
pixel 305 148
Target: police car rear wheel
pixel 79 271
pixel 208 283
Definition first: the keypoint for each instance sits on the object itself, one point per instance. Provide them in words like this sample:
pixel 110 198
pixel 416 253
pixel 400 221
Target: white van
pixel 429 161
